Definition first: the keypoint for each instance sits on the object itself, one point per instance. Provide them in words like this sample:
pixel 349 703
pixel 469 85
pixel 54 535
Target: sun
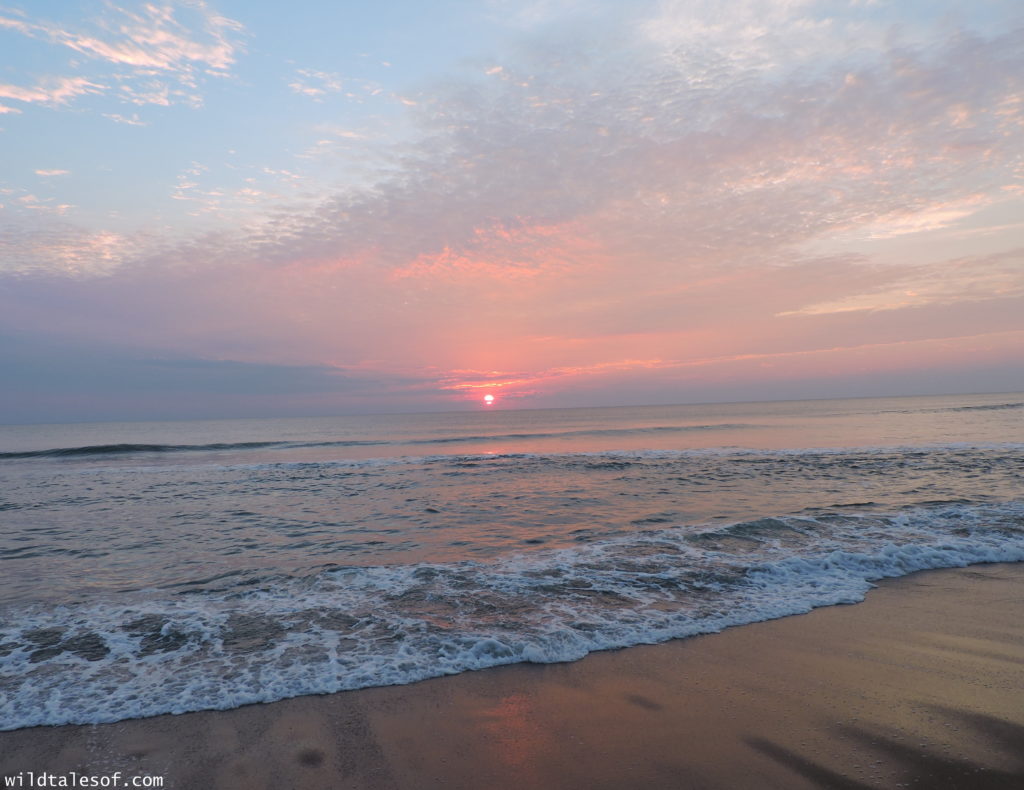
pixel 489 400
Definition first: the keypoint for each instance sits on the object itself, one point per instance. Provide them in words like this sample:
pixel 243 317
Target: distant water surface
pixel 155 567
pixel 827 423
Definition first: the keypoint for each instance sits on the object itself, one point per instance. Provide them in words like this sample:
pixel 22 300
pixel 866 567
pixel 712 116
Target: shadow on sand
pixel 916 767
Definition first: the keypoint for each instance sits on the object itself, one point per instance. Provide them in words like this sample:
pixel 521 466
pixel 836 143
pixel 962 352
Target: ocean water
pixel 168 567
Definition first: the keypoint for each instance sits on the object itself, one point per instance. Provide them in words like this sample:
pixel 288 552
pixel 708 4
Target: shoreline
pixel 919 685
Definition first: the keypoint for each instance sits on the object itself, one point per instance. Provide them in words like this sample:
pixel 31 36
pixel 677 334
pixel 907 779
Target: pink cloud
pixel 149 38
pixel 143 43
pixel 56 90
pixel 566 227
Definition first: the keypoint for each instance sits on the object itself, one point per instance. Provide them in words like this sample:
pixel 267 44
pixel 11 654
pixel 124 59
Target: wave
pixel 132 449
pixel 989 407
pixel 259 639
pixel 953 409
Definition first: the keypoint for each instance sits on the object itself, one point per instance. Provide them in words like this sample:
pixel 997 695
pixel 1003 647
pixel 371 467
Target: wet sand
pixel 922 685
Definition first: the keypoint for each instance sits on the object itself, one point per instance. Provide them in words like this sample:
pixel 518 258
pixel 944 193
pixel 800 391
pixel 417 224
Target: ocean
pixel 156 568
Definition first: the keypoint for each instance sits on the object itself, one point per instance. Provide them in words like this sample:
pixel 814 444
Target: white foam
pixel 355 627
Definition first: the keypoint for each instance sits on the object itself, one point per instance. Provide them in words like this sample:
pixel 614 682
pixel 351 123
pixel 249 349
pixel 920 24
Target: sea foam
pixel 260 640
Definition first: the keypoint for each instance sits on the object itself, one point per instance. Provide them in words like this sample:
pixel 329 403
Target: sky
pixel 247 208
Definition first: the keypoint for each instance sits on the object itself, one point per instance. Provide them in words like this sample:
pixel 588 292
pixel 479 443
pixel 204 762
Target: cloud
pixel 62 248
pixel 629 152
pixel 144 44
pixel 132 120
pixel 34 203
pixel 927 218
pixel 997 276
pixel 316 84
pixel 150 38
pixel 755 35
pixel 625 150
pixel 534 14
pixel 48 173
pixel 601 209
pixel 114 381
pixel 53 91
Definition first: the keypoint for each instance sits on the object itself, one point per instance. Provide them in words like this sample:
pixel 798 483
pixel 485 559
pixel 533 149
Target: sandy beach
pixel 919 686
pixel 512 395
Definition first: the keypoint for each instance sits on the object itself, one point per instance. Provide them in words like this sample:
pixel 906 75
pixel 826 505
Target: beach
pixel 549 395
pixel 918 686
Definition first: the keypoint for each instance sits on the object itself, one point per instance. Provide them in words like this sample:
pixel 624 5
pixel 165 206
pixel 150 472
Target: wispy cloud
pixel 40 205
pixel 997 276
pixel 937 216
pixel 48 173
pixel 52 91
pixel 158 56
pixel 131 120
pixel 150 38
pixel 316 84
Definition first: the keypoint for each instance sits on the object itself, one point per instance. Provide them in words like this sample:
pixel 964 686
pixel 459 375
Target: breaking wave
pixel 258 638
